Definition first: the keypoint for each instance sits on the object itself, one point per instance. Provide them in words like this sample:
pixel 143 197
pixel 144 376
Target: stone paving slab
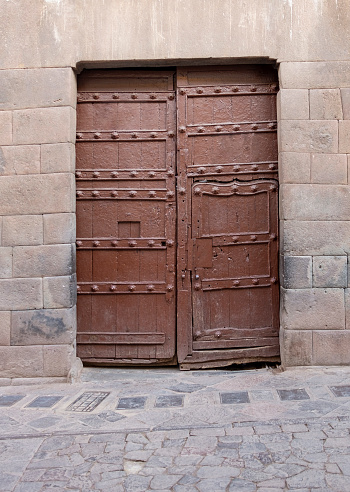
pixel 179 431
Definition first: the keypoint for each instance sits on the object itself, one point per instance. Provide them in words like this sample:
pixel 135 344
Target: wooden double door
pixel 177 216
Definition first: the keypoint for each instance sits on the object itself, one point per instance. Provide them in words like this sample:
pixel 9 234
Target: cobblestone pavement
pixel 165 430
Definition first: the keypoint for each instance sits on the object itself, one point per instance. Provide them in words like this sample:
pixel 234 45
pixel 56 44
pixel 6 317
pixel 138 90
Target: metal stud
pixel 253 88
pixel 115 135
pixel 197 286
pixel 235 89
pixel 152 193
pixel 114 243
pixel 254 188
pixel 255 281
pixel 151 174
pixel 170 194
pixel 170 243
pixel 79 136
pixel 97 135
pixel 132 244
pixel 132 193
pixel 151 243
pixel 218 128
pixel 150 288
pixel 273 280
pixel 197 334
pixel 201 129
pixel 272 166
pixel 96 96
pixel 201 170
pixel 133 174
pixel 235 239
pixel 134 135
pixel 215 190
pixel 153 135
pixel 95 193
pixel 96 243
pixel 171 134
pixel 78 288
pixel 79 193
pixel 170 288
pixel 182 191
pixel 218 334
pixel 253 237
pixel 199 90
pixel 274 87
pixel 94 288
pixel 171 97
pixel 217 89
pixel 254 167
pixel 236 282
pixel 273 187
pixel 134 96
pixel 153 96
pixel 78 174
pixel 182 92
pixel 236 168
pixel 132 288
pixel 79 244
pixel 234 188
pixel 273 236
pixel 254 127
pixel 182 129
pixel 170 172
pixel 197 191
pixel 236 128
pixel 96 174
pixel 114 193
pixel 113 288
pixel 114 174
pixel 219 169
pixel 115 96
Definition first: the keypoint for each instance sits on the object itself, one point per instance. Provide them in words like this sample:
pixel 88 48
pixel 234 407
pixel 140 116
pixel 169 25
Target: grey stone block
pixel 309 136
pixel 345 98
pixel 314 75
pixel 43 261
pixel 21 293
pixel 57 360
pixel 5 127
pixel 59 228
pixel 22 230
pixel 43 327
pixel 60 292
pixel 330 271
pixel 344 137
pixel 331 347
pixel 329 169
pixel 5 262
pixel 57 158
pixel 21 159
pixel 296 272
pixel 24 362
pixel 325 104
pixel 294 167
pixel 5 327
pixel 296 348
pixel 293 104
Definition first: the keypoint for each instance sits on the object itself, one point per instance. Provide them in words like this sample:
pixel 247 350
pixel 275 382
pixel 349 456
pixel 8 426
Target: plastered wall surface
pixel 46 42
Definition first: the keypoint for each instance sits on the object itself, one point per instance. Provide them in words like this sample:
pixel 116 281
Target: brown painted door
pixel 228 227
pixel 126 217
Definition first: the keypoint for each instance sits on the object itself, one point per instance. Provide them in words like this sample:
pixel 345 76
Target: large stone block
pixel 5 262
pixel 43 261
pixel 344 137
pixel 37 194
pixel 296 348
pixel 60 292
pixel 43 327
pixel 59 228
pixel 22 230
pixel 313 309
pixel 330 271
pixel 37 88
pixel 5 327
pixel 315 237
pixel 315 75
pixel 5 127
pixel 21 293
pixel 296 272
pixel 293 104
pixel 58 158
pixel 309 136
pixel 345 98
pixel 315 202
pixel 331 348
pixel 21 159
pixel 43 126
pixel 57 360
pixel 325 104
pixel 21 362
pixel 294 167
pixel 329 168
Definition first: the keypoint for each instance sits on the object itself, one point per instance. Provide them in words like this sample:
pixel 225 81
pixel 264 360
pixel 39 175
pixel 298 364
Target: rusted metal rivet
pixel 274 87
pixel 273 187
pixel 197 286
pixel 182 129
pixel 132 193
pixel 79 244
pixel 150 287
pixel 134 135
pixel 152 193
pixel 199 90
pixel 171 134
pixel 170 194
pixel 253 88
pixel 95 193
pixel 182 92
pixel 78 288
pixel 255 167
pixel 201 129
pixel 273 280
pixel 215 190
pixel 113 287
pixel 271 125
pixel 235 239
pixel 197 334
pixel 115 96
pixel 134 96
pixel 170 172
pixel 170 243
pixel 253 237
pixel 171 97
pixel 96 174
pixel 273 236
pixel 114 193
pixel 183 275
pixel 253 187
pixel 235 89
pixel 96 96
pixel 79 193
pixel 218 128
pixel 132 288
pixel 97 135
pixel 218 334
pixel 217 89
pixel 236 168
pixel 236 282
pixel 133 174
pixel 114 174
pixel 255 281
pixel 94 288
pixel 254 127
pixel 114 243
pixel 153 96
pixel 201 170
pixel 151 174
pixel 170 288
pixel 272 166
pixel 151 243
pixel 219 169
pixel 236 128
pixel 79 136
pixel 132 244
pixel 115 135
pixel 197 191
pixel 78 174
pixel 96 243
pixel 182 191
pixel 153 135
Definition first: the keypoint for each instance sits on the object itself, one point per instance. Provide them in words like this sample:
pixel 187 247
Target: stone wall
pixel 52 39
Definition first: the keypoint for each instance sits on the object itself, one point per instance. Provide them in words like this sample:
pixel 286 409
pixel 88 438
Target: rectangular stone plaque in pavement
pixel 235 397
pixel 87 402
pixel 131 403
pixel 340 390
pixel 293 394
pixel 9 400
pixel 44 401
pixel 166 401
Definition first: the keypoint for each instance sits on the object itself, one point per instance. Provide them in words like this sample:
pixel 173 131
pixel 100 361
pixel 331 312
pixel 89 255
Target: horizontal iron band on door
pixel 123 174
pixel 124 288
pixel 234 188
pixel 228 129
pixel 239 343
pixel 127 338
pixel 129 97
pixel 130 243
pixel 123 194
pixel 256 237
pixel 229 90
pixel 249 167
pixel 241 283
pixel 126 136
